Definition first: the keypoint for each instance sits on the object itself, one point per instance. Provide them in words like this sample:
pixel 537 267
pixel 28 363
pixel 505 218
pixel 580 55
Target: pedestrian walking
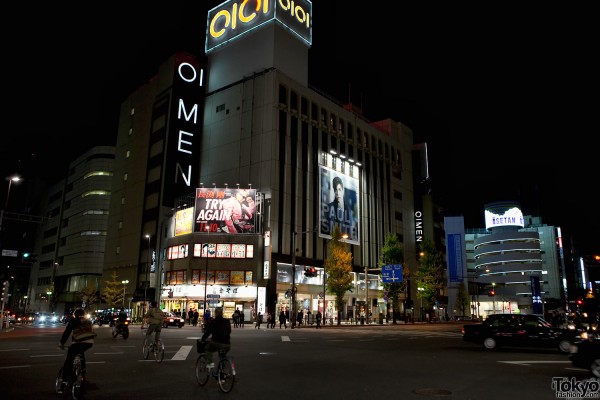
pixel 319 316
pixel 282 319
pixel 195 316
pixel 236 318
pixel 190 315
pixel 241 318
pixel 259 319
pixel 300 318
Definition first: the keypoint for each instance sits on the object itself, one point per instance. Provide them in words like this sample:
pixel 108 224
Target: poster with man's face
pixel 339 202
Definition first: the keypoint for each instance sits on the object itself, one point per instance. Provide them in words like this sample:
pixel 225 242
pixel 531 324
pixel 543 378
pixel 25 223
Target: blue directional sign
pixel 391 273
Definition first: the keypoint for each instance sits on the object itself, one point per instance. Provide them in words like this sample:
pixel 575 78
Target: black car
pixel 586 354
pixel 519 330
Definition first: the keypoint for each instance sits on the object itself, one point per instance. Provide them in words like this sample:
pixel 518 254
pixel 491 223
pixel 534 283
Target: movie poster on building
pixel 225 210
pixel 339 202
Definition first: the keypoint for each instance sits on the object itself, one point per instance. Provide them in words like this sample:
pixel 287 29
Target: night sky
pixel 507 99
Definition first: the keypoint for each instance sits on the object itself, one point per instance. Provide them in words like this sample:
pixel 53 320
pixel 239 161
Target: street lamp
pixel 207 228
pixel 147 277
pixel 10 179
pixel 125 282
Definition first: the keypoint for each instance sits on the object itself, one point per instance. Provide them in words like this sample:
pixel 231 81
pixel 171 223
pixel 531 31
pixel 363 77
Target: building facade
pixel 71 238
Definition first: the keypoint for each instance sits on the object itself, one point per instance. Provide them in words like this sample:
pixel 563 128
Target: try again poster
pixel 339 205
pixel 225 210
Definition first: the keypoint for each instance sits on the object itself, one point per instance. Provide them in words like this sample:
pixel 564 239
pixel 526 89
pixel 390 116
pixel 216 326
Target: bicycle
pixel 156 347
pixel 224 372
pixel 77 386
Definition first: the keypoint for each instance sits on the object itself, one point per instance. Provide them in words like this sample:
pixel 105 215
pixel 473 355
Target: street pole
pixel 367 293
pixel 293 316
pixel 10 179
pixel 125 282
pixel 147 277
pixel 206 267
pixel 294 289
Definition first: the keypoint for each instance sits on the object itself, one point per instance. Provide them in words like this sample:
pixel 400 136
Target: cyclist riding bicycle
pixel 220 329
pixel 155 319
pixel 77 346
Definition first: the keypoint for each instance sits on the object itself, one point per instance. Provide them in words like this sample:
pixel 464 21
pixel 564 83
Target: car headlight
pixel 54 318
pixel 42 318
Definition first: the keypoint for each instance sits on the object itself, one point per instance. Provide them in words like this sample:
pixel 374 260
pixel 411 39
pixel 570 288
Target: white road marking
pixel 285 338
pixel 534 362
pixel 182 353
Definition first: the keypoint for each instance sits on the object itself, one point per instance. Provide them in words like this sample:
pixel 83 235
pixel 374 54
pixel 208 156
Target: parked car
pixel 172 320
pixel 519 330
pixel 586 354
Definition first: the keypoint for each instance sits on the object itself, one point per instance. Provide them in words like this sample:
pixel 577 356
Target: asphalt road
pixel 406 362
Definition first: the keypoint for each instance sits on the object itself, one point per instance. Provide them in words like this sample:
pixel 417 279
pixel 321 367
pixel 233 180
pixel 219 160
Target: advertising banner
pixel 225 210
pixel 339 205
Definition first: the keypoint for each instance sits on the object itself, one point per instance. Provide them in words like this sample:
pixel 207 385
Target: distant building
pixel 70 241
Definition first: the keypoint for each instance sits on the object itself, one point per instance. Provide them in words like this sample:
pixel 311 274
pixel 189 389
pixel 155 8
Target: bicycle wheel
pixel 202 373
pixel 77 388
pixel 159 351
pixel 59 381
pixel 146 349
pixel 226 375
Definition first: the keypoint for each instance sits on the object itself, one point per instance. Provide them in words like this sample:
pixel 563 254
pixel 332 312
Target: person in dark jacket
pixel 76 347
pixel 282 319
pixel 220 330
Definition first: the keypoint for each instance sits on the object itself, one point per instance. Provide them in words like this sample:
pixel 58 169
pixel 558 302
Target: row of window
pixel 343 129
pixel 212 250
pixel 219 277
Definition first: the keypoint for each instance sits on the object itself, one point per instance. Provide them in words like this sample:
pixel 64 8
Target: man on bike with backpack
pixel 155 319
pixel 220 329
pixel 82 337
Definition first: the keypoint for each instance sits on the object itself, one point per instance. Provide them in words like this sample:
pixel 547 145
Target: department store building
pixel 239 133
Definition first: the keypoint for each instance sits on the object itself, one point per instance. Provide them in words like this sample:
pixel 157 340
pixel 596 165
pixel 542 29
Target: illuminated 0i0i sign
pixel 235 18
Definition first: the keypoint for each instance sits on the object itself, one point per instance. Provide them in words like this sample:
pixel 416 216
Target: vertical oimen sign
pixel 184 129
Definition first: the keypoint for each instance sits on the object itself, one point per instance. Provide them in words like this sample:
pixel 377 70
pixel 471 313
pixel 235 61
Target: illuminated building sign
pixel 238 17
pixel 225 210
pixel 184 128
pixel 503 214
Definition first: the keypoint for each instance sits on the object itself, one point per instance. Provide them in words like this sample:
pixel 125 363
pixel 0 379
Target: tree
pixel 88 296
pixel 462 298
pixel 393 253
pixel 112 293
pixel 430 275
pixel 338 267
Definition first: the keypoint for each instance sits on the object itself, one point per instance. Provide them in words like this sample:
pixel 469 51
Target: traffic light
pixel 4 291
pixel 491 293
pixel 29 258
pixel 288 293
pixel 310 272
pixel 579 302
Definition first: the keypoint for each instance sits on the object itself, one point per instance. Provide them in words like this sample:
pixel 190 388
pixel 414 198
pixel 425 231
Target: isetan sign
pixel 503 214
pixel 234 18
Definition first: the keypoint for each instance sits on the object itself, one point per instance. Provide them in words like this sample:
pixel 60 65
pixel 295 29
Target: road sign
pixel 391 273
pixel 9 253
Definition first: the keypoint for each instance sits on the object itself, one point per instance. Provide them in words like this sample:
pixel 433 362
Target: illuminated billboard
pixel 506 213
pixel 184 221
pixel 339 201
pixel 235 18
pixel 225 210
